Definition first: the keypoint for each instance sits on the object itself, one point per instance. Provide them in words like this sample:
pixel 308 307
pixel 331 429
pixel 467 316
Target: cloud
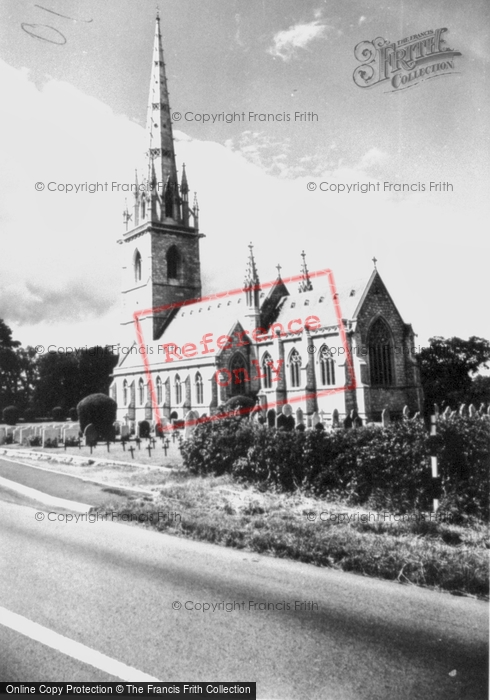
pixel 286 43
pixel 60 265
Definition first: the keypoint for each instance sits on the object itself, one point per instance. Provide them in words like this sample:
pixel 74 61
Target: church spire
pixel 162 169
pixel 252 289
pixel 251 275
pixel 305 284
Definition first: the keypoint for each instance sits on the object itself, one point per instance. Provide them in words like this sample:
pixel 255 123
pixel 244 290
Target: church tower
pixel 160 246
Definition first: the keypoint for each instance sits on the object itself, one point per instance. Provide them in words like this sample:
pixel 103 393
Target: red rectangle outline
pixel 220 295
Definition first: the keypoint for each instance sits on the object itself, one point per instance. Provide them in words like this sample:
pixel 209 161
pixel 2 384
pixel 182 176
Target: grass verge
pixel 219 510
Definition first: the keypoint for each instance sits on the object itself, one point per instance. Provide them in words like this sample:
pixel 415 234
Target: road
pixel 60 485
pixel 103 592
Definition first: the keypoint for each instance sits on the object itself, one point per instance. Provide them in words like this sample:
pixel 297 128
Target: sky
pixel 75 78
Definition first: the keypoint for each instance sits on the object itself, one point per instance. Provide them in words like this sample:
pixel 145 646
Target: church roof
pixel 219 316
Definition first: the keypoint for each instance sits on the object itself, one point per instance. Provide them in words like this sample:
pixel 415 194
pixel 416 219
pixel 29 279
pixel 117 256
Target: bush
pixel 100 410
pixel 29 415
pixel 58 413
pixel 384 468
pixel 11 415
pixel 73 415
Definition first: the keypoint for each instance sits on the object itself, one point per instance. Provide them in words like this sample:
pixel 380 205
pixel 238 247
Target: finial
pixel 305 284
pixel 278 268
pixel 158 13
pixel 375 261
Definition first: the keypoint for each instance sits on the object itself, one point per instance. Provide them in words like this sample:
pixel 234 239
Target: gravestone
pixel 447 413
pixel 335 418
pixel 70 432
pixel 124 432
pixel 356 419
pixel 25 434
pixel 348 422
pixel 16 434
pixel 315 419
pixel 161 431
pixel 299 417
pixel 406 413
pixel 3 435
pixel 462 410
pixel 50 434
pixel 472 410
pixel 91 435
pixel 143 429
pixel 190 424
pixel 385 417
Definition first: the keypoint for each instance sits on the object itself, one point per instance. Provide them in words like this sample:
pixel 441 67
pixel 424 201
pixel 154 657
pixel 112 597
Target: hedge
pixel 378 467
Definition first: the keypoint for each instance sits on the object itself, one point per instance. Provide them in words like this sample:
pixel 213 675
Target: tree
pixel 58 414
pixel 10 415
pixel 447 368
pixel 480 391
pixel 9 366
pixel 101 411
pixel 64 379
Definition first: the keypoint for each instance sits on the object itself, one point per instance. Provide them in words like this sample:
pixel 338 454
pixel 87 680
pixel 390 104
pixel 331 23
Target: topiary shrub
pixel 72 414
pixel 29 415
pixel 58 414
pixel 100 410
pixel 11 415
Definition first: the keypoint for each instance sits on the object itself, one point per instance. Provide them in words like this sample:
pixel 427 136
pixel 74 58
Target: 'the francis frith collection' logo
pixel 404 63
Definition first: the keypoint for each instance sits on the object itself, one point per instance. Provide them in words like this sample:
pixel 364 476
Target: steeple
pixel 252 284
pixel 305 284
pixel 166 204
pixel 161 154
pixel 161 256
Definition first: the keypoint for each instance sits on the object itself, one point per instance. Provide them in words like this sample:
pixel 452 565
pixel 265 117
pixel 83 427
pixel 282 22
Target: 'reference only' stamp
pixel 246 351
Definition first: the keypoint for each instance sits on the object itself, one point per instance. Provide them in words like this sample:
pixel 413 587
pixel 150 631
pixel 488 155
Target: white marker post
pixel 433 461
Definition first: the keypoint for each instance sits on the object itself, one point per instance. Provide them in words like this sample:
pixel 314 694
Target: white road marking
pixel 44 498
pixel 71 648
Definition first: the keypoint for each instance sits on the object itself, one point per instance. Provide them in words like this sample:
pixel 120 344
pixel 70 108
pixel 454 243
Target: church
pixel 328 352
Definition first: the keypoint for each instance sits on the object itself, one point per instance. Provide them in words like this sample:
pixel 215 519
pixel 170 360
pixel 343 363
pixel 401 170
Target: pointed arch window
pixel 178 389
pixel 199 388
pixel 137 266
pixel 380 346
pixel 267 370
pixel 240 378
pixel 327 366
pixel 159 390
pixel 141 391
pixel 125 392
pixel 173 263
pixel 295 368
